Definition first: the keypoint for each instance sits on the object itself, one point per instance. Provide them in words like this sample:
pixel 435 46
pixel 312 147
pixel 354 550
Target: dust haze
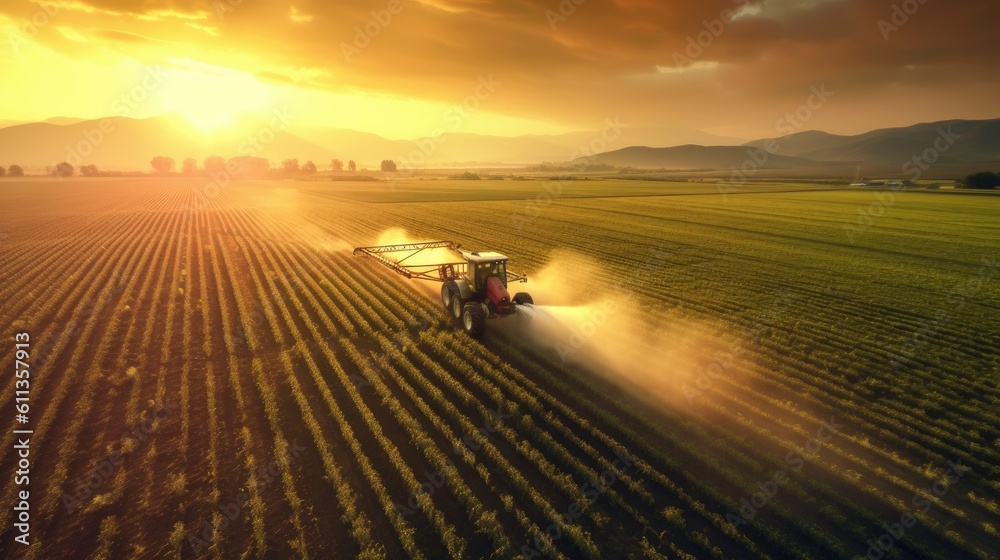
pixel 604 331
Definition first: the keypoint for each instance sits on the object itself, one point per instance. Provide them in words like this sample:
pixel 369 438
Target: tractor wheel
pixel 474 319
pixel 446 295
pixel 456 305
pixel 523 298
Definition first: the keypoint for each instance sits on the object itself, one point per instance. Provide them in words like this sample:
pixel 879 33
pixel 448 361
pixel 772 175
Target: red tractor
pixel 474 284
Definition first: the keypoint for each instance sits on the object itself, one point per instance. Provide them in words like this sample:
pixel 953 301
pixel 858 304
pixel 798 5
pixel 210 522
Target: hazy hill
pixel 454 148
pixel 134 142
pixel 695 157
pixel 978 141
pixel 803 142
pixel 656 137
pixel 129 144
pixel 53 120
pixel 445 149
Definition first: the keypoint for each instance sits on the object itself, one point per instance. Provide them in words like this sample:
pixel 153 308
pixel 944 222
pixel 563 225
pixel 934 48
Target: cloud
pixel 126 36
pixel 781 9
pixel 601 59
pixel 298 16
pixel 697 66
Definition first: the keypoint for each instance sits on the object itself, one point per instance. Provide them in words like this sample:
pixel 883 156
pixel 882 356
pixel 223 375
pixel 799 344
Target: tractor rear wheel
pixel 474 319
pixel 456 305
pixel 523 298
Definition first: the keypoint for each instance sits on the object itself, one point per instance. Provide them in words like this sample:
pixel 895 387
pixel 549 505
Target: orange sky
pixel 512 67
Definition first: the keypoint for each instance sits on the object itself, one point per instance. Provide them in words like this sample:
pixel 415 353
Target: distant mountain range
pixel 694 157
pixel 129 144
pixel 962 141
pixel 53 120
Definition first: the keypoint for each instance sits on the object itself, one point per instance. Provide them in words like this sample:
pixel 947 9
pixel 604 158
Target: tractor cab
pixel 484 265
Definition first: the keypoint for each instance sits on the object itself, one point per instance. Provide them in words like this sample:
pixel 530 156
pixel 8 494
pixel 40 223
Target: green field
pixel 439 189
pixel 779 379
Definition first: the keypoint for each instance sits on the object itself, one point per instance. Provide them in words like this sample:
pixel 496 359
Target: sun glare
pixel 208 119
pixel 212 98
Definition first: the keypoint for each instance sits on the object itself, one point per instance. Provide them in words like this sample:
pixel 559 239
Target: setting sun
pixel 212 98
pixel 502 279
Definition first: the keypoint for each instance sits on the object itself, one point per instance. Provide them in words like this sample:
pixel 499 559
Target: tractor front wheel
pixel 456 305
pixel 446 294
pixel 523 298
pixel 474 319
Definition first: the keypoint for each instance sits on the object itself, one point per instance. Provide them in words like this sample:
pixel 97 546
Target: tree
pixel 89 170
pixel 309 168
pixel 163 164
pixel 351 166
pixel 214 163
pixel 336 165
pixel 249 165
pixel 290 166
pixel 983 180
pixel 63 170
pixel 2 171
pixel 388 165
pixel 15 171
pixel 190 166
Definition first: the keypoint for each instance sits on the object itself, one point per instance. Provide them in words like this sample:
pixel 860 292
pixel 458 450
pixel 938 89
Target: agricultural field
pixel 780 371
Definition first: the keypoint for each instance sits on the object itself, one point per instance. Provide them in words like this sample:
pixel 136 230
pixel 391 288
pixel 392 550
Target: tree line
pixel 12 171
pixel 982 180
pixel 246 164
pixel 218 164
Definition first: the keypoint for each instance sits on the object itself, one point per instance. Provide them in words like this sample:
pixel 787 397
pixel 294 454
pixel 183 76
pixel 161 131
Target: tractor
pixel 474 284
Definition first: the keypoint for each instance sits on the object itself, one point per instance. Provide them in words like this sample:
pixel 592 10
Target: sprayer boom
pixel 475 282
pixel 400 259
pixel 395 257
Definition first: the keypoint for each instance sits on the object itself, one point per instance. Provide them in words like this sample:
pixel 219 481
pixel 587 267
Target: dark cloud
pixel 580 63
